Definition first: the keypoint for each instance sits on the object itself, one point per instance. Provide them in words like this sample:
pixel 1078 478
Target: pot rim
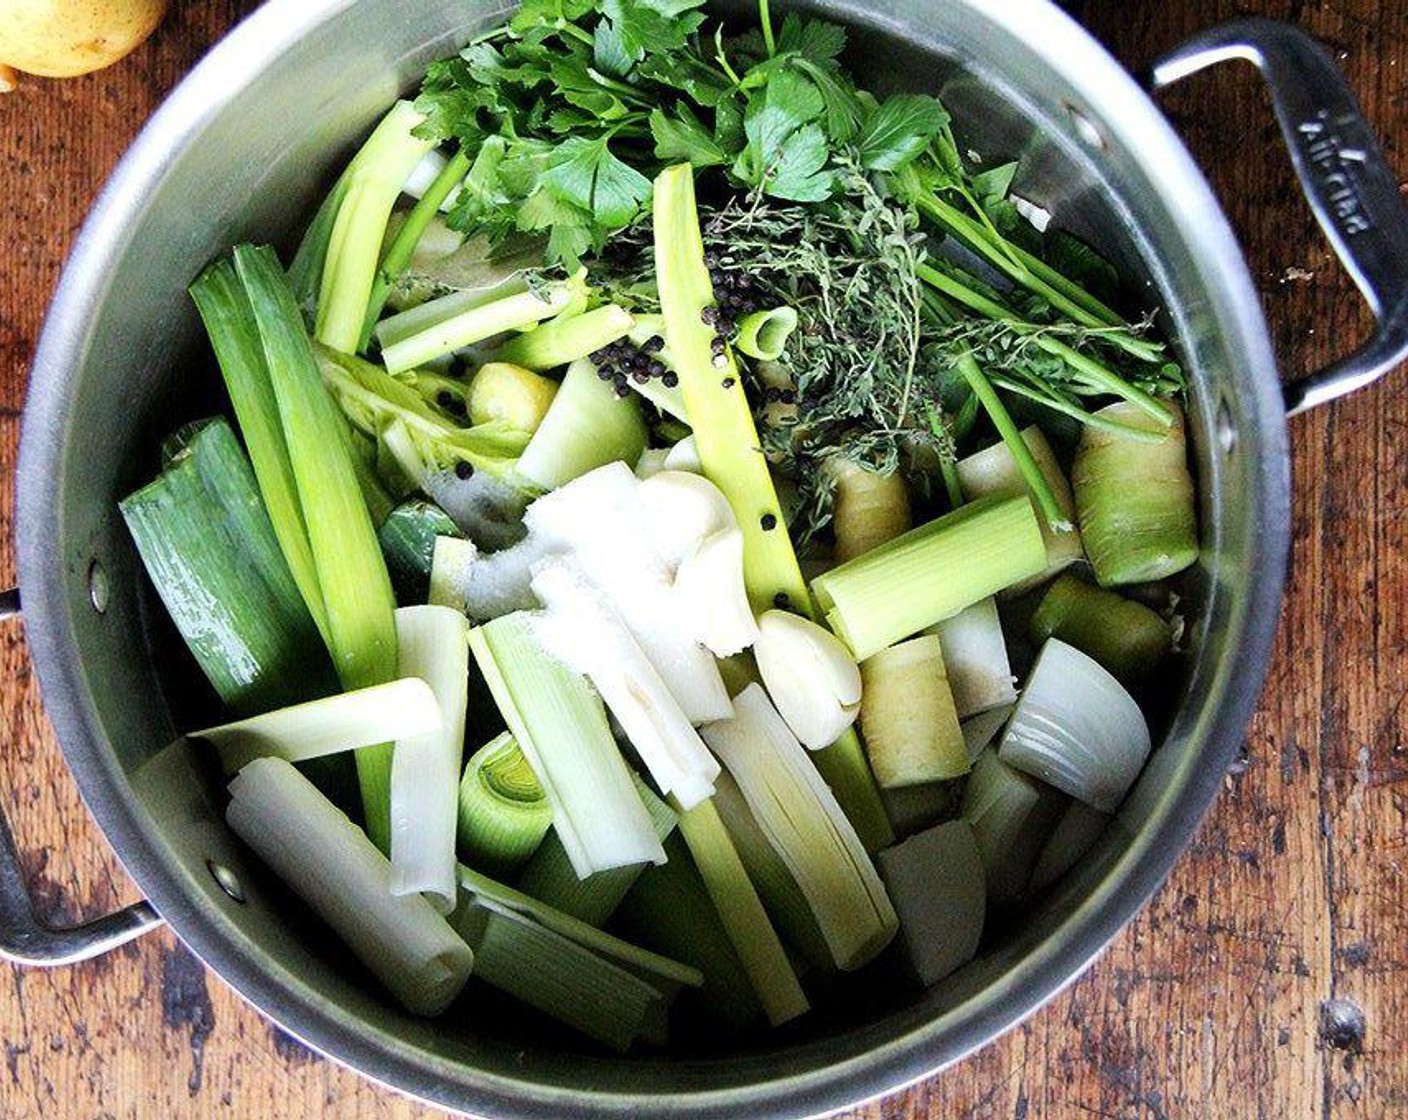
pixel 911 1056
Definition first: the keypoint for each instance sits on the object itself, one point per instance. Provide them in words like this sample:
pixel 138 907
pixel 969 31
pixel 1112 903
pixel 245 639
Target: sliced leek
pixel 503 814
pixel 567 339
pixel 975 658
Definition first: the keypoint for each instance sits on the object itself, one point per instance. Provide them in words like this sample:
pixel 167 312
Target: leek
pixel 425 767
pixel 407 539
pixel 567 339
pixel 1135 500
pixel 995 473
pixel 975 657
pixel 937 881
pixel 869 508
pixel 511 395
pixel 317 728
pixel 670 910
pixel 812 678
pixel 332 865
pixel 731 457
pixel 586 427
pixel 1074 835
pixel 908 717
pixel 1126 637
pixel 476 324
pixel 1011 816
pixel 370 188
pixel 1076 728
pixel 763 334
pixel 561 727
pixel 744 919
pixel 801 818
pixel 549 877
pixel 212 555
pixel 503 814
pixel 931 573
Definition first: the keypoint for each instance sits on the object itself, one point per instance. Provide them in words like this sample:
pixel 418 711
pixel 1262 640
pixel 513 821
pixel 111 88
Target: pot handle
pixel 1343 172
pixel 24 939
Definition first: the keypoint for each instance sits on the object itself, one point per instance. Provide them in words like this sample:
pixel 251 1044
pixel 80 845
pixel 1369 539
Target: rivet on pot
pixel 1086 128
pixel 226 880
pixel 1226 430
pixel 97 586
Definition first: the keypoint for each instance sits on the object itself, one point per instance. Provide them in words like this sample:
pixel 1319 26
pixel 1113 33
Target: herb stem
pixel 1089 419
pixel 765 20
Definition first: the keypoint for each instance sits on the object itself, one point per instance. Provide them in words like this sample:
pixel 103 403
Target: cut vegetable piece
pixel 426 315
pixel 908 717
pixel 745 921
pixel 503 813
pixel 408 544
pixel 869 508
pixel 802 820
pixel 483 586
pixel 586 427
pixel 980 730
pixel 510 394
pixel 931 573
pixel 582 629
pixel 912 808
pixel 561 726
pixel 209 547
pixel 711 594
pixel 330 863
pixel 1126 637
pixel 783 898
pixel 975 656
pixel 680 510
pixel 315 728
pixel 810 675
pixel 1074 835
pixel 684 456
pixel 651 462
pixel 993 473
pixel 1011 815
pixel 763 334
pixel 669 910
pixel 425 768
pixel 549 877
pixel 479 322
pixel 567 338
pixel 1077 729
pixel 371 185
pixel 937 881
pixel 1135 499
pixel 488 510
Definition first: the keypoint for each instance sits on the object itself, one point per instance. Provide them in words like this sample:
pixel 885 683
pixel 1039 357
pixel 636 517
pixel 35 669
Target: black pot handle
pixel 1343 172
pixel 24 939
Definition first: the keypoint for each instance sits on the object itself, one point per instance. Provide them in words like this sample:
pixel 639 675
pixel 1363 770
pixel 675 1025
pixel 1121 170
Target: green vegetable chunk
pixel 1126 637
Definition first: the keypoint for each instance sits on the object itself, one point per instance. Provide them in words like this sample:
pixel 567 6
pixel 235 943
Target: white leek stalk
pixel 1074 835
pixel 561 727
pixel 937 882
pixel 503 815
pixel 347 721
pixel 329 862
pixel 1077 728
pixel 810 675
pixel 581 628
pixel 425 768
pixel 801 818
pixel 975 657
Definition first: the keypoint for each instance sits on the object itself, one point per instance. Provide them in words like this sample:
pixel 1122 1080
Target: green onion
pixel 586 427
pixel 466 327
pixel 369 189
pixel 316 728
pixel 503 814
pixel 566 339
pixel 1011 816
pixel 802 820
pixel 331 864
pixel 995 473
pixel 869 508
pixel 1126 637
pixel 549 876
pixel 763 334
pixel 561 727
pixel 511 395
pixel 425 768
pixel 937 881
pixel 408 544
pixel 1135 501
pixel 212 555
pixel 744 919
pixel 975 658
pixel 907 715
pixel 931 573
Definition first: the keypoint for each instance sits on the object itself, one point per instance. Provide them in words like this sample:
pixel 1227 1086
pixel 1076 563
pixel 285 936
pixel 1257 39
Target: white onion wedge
pixel 810 675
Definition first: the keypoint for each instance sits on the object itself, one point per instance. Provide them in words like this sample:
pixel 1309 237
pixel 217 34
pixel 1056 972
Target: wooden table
pixel 1269 977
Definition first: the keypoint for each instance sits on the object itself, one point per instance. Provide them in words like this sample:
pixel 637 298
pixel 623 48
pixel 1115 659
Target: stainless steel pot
pixel 240 150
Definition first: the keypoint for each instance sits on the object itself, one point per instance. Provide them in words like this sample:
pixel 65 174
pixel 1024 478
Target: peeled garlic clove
pixel 651 462
pixel 681 510
pixel 812 677
pixel 684 456
pixel 710 590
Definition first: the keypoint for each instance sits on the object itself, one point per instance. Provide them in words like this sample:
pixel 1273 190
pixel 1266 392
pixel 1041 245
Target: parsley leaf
pixel 586 174
pixel 900 130
pixel 813 39
pixel 683 137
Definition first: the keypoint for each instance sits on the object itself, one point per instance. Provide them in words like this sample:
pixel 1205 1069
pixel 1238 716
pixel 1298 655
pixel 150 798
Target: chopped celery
pixel 561 727
pixel 503 814
pixel 931 573
pixel 479 322
pixel 908 716
pixel 369 189
pixel 423 316
pixel 586 426
pixel 1126 637
pixel 408 544
pixel 567 339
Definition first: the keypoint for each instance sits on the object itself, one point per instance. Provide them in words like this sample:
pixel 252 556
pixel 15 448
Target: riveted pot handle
pixel 1342 170
pixel 24 939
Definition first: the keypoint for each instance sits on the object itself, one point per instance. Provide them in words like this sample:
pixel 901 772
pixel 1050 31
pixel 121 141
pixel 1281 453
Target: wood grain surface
pixel 1267 979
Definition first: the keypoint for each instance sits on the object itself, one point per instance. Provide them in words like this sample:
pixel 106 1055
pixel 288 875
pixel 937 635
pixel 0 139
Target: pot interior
pixel 259 135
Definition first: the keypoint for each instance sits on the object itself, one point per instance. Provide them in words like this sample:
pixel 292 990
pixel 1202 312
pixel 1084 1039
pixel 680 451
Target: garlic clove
pixel 680 510
pixel 710 591
pixel 810 674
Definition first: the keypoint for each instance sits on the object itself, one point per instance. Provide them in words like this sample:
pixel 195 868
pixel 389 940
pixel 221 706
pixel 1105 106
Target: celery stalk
pixel 479 322
pixel 567 338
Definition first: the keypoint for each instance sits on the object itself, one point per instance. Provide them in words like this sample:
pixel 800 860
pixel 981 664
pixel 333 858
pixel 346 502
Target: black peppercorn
pixel 781 601
pixel 768 521
pixel 670 380
pixel 464 470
